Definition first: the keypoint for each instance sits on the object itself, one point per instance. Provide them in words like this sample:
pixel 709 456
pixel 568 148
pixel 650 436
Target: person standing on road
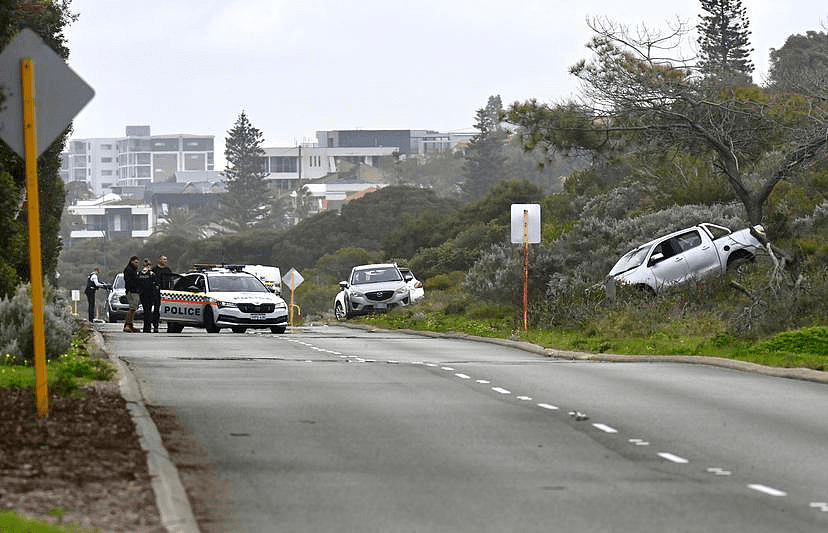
pixel 133 291
pixel 92 286
pixel 149 286
pixel 164 278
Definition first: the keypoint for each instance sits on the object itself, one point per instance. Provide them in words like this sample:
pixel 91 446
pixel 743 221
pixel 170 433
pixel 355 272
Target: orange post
pixel 33 200
pixel 525 269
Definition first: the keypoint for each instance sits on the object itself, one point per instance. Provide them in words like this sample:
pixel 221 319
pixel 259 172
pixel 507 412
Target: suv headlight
pixel 224 305
pixel 402 290
pixel 357 294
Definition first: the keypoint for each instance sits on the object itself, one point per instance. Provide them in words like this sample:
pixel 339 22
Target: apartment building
pixel 135 160
pixel 408 142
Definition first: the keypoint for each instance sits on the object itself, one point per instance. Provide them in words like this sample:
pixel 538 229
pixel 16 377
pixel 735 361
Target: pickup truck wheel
pixel 740 267
pixel 209 323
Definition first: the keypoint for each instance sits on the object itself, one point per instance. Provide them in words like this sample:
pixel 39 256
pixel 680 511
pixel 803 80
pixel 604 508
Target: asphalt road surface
pixel 338 429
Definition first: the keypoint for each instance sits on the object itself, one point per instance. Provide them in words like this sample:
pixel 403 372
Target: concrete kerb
pixel 170 497
pixel 804 374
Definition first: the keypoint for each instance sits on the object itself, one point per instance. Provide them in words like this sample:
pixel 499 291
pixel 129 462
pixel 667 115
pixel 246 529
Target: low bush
pixel 16 324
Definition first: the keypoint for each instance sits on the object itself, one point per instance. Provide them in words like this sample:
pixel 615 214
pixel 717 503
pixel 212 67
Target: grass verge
pixel 702 334
pixel 16 523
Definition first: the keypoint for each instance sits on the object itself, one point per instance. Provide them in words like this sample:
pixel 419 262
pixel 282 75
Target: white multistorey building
pixel 106 218
pixel 288 168
pixel 135 160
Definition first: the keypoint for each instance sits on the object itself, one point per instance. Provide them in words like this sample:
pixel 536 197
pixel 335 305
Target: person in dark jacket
pixel 92 286
pixel 164 277
pixel 149 286
pixel 133 291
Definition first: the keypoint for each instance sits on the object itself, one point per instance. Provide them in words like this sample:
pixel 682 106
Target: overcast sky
pixel 295 67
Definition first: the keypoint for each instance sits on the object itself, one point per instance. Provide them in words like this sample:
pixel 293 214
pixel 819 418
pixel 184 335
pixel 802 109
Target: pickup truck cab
pixel 691 253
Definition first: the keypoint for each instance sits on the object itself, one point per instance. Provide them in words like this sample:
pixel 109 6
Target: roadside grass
pixel 661 328
pixel 17 523
pixel 66 374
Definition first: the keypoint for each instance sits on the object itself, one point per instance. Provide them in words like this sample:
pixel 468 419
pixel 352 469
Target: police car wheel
pixel 239 329
pixel 278 329
pixel 209 323
pixel 172 327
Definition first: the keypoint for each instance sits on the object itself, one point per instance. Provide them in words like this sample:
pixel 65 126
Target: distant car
pixel 369 289
pixel 271 276
pixel 692 253
pixel 215 298
pixel 415 286
pixel 116 306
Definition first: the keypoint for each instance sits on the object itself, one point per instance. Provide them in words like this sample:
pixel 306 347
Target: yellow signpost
pixel 42 96
pixel 33 196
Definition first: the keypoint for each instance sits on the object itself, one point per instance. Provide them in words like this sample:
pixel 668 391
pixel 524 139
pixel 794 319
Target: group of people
pixel 143 284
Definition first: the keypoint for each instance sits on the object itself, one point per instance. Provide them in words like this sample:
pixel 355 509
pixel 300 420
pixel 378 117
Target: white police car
pixel 222 297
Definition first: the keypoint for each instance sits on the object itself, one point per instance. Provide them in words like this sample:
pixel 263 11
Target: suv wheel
pixel 339 312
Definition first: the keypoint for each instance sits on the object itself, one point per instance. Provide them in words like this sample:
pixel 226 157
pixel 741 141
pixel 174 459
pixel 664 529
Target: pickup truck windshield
pixel 630 260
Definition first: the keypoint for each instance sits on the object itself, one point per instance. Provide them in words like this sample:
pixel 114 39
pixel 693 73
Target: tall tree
pixel 48 20
pixel 632 96
pixel 801 65
pixel 486 157
pixel 724 39
pixel 247 198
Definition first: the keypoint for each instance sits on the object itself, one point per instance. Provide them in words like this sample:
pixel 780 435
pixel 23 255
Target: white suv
pixel 215 298
pixel 370 289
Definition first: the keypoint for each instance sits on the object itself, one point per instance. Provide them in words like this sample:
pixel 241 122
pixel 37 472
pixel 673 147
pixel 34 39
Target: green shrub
pixel 16 336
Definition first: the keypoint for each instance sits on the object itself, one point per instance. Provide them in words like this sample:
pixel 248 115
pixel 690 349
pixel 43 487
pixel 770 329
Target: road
pixel 336 429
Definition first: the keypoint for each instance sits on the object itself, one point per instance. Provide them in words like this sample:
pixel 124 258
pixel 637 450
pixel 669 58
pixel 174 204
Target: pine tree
pixel 724 38
pixel 485 158
pixel 247 197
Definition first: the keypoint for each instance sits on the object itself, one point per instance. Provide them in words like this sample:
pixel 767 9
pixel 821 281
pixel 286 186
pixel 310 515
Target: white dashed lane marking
pixel 673 458
pixel 770 491
pixel 605 428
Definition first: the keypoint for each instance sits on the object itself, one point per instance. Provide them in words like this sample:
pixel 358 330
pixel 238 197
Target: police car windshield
pixel 236 284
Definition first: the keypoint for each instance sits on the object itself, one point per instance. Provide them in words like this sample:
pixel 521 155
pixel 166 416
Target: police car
pixel 213 297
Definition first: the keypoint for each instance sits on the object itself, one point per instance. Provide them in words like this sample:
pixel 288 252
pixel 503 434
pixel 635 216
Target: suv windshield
pixel 119 282
pixel 237 283
pixel 375 275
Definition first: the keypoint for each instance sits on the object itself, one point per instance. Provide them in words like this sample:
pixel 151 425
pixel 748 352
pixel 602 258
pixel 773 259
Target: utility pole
pixel 299 183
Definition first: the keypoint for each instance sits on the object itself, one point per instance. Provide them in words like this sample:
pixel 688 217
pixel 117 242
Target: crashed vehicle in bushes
pixel 692 253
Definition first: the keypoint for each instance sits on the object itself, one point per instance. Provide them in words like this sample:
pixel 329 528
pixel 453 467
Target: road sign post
pixel 525 229
pixel 42 96
pixel 292 279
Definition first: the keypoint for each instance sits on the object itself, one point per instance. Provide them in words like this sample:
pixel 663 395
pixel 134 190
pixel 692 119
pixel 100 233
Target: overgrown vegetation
pixel 69 363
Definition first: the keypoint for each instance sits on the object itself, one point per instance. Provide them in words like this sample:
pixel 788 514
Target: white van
pixel 269 275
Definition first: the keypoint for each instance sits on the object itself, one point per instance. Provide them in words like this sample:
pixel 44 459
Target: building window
pixel 106 160
pixel 165 145
pixel 195 162
pixel 164 167
pixel 140 223
pixel 283 164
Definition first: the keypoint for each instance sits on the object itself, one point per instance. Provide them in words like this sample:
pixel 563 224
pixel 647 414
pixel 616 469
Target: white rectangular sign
pixel 534 223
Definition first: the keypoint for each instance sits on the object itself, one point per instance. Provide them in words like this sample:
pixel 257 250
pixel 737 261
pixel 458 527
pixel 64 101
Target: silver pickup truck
pixel 692 253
